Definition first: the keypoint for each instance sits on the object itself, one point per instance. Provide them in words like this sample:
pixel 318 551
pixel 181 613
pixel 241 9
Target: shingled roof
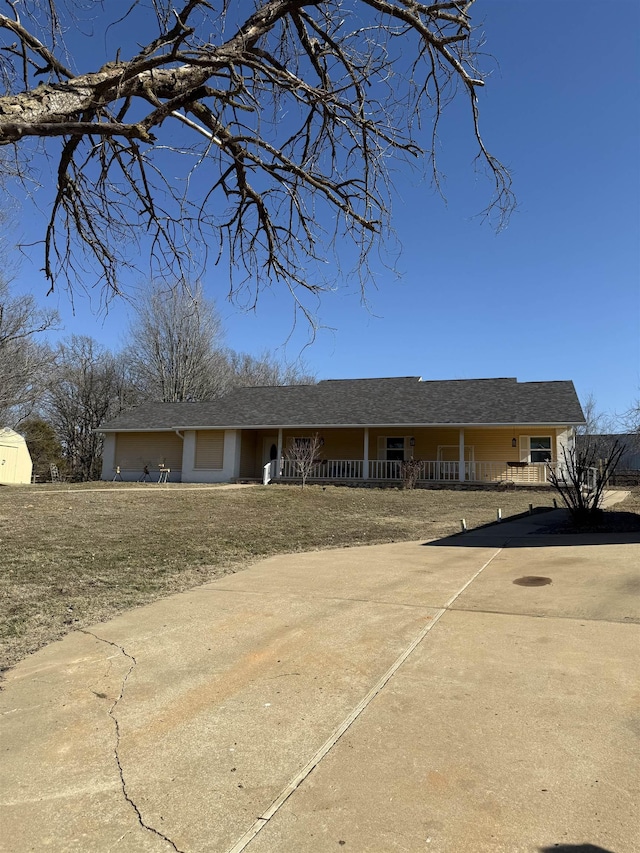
pixel 398 401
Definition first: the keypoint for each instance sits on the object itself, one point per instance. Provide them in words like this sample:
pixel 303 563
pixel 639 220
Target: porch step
pixel 246 481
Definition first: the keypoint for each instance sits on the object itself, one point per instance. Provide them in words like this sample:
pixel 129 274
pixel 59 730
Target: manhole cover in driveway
pixel 532 580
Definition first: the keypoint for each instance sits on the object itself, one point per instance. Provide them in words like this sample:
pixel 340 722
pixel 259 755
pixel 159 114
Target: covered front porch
pixel 378 455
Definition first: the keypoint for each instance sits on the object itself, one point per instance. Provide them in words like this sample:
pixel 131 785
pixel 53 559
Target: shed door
pixel 8 463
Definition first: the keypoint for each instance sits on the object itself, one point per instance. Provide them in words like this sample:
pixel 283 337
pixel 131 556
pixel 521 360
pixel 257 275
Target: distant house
pixel 463 431
pixel 603 444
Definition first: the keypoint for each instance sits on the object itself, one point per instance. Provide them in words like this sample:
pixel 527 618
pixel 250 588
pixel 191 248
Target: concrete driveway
pixel 476 694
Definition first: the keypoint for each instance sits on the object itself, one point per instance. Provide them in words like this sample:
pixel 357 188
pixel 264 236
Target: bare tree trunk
pixel 304 454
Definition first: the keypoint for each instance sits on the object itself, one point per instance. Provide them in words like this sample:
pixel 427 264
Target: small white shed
pixel 15 459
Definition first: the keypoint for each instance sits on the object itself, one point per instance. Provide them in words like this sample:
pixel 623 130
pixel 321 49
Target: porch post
pixel 461 470
pixel 279 471
pixel 365 463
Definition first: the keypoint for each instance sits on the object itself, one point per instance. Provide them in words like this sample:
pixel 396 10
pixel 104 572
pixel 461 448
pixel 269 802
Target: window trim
pixel 526 451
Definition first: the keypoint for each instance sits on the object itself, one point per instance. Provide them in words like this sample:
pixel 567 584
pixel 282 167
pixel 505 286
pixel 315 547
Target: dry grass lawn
pixel 76 555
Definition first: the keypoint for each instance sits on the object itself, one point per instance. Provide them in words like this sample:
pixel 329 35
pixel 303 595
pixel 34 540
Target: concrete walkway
pixel 475 694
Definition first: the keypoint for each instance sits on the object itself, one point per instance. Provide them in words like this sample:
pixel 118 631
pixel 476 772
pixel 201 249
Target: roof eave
pixel 395 425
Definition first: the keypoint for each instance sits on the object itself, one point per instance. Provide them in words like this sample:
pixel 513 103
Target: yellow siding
pixel 338 443
pixel 496 445
pixel 428 441
pixel 343 444
pixel 489 445
pixel 493 445
pixel 134 450
pixel 209 449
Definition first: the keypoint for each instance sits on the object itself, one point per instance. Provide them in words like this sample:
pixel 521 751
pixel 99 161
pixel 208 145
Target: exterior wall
pixel 249 464
pixel 109 457
pixel 131 451
pixel 427 441
pixel 565 439
pixel 230 463
pixel 493 444
pixel 490 453
pixel 218 456
pixel 338 443
pixel 375 436
pixel 251 446
pixel 15 459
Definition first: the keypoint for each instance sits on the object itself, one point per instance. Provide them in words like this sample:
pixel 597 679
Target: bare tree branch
pixel 304 455
pixel 249 134
pixel 582 476
pixel 23 360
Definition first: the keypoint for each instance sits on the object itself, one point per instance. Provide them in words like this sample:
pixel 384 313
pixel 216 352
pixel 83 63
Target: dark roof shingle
pixel 368 402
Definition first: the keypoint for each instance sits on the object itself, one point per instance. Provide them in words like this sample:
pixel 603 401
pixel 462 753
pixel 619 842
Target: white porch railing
pixel 432 471
pixel 441 471
pixel 326 469
pixel 384 470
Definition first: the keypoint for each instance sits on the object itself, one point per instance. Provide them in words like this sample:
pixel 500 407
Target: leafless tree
pixel 237 132
pixel 89 387
pixel 176 351
pixel 267 369
pixel 410 472
pixel 304 455
pixel 24 361
pixel 583 475
pixel 631 419
pixel 596 421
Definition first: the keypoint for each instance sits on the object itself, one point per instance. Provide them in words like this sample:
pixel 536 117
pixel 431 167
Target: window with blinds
pixel 134 450
pixel 210 449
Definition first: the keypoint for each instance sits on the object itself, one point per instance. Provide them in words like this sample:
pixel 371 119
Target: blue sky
pixel 554 296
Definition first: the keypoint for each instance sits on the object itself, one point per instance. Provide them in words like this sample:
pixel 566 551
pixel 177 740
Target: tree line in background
pixel 58 396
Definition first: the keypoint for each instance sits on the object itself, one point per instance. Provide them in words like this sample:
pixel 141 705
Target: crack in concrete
pixel 116 750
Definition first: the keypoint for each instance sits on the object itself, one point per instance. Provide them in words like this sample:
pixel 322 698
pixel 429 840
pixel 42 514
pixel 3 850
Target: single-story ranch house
pixel 463 430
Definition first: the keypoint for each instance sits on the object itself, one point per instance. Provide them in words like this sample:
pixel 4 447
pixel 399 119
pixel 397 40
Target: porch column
pixel 279 471
pixel 365 455
pixel 461 470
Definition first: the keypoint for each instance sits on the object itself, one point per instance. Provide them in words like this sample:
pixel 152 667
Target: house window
pixel 540 448
pixel 395 449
